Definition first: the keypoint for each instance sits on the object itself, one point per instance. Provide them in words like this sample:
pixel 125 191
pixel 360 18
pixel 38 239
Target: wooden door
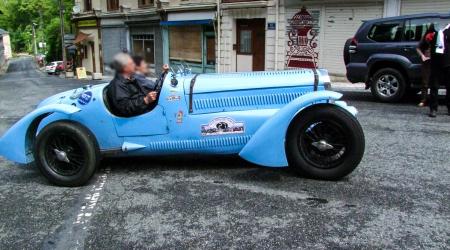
pixel 251 42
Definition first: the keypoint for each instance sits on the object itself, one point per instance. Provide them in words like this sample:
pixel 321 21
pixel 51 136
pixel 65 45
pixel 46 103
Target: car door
pixel 151 123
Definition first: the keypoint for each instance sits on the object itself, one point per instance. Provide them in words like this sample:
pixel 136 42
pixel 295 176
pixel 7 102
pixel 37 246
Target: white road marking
pixel 73 233
pixel 92 198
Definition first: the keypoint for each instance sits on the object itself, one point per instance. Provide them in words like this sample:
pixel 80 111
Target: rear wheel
pixel 325 142
pixel 66 154
pixel 388 85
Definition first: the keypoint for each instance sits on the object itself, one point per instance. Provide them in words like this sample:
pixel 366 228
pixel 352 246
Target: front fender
pixel 267 145
pixel 17 143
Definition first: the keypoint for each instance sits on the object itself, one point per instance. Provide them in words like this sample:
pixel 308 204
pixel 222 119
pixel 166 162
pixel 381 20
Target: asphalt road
pixel 397 198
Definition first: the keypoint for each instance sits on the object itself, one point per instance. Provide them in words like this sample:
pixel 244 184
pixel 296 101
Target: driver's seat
pixel 107 102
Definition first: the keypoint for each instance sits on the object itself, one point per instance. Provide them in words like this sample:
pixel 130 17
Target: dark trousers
pixel 439 76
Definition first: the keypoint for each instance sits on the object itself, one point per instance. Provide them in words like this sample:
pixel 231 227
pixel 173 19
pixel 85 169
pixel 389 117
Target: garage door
pixel 340 24
pixel 421 6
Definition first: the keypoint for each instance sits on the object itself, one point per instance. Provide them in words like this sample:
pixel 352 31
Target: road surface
pixel 397 198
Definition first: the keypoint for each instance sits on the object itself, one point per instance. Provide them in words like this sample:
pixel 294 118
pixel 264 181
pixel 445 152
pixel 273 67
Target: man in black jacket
pixel 127 97
pixel 440 69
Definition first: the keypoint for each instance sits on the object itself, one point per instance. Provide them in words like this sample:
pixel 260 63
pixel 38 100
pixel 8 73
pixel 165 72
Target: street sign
pixel 81 73
pixel 271 26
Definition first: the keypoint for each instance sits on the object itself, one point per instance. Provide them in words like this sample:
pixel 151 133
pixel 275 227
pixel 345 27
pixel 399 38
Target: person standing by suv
pixel 424 51
pixel 440 69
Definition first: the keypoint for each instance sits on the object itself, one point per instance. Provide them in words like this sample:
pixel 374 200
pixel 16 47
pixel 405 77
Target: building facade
pixel 231 35
pixel 134 27
pixel 88 38
pixel 189 34
pixel 5 47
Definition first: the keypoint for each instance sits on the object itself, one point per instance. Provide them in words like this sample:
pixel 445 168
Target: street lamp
pixel 63 47
pixel 34 38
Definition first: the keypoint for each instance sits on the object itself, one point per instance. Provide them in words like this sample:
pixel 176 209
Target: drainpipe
pixel 219 34
pixel 277 14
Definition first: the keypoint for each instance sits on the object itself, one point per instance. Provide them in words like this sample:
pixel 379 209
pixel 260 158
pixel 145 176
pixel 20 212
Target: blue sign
pixel 85 98
pixel 271 26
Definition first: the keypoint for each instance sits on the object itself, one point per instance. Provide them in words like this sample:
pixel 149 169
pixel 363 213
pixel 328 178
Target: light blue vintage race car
pixel 273 119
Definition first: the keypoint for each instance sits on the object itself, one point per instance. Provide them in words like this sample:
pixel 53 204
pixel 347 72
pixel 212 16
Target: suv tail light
pixel 353 45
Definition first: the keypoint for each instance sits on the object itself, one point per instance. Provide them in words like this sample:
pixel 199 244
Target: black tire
pixel 79 148
pixel 336 128
pixel 388 85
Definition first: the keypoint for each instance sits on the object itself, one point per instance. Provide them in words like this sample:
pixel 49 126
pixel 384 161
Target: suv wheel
pixel 388 85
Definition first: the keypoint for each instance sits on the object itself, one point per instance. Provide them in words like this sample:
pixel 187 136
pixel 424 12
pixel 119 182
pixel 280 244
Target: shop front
pixel 88 43
pixel 189 38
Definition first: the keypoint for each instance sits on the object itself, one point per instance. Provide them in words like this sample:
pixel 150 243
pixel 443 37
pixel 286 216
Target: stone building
pixel 231 35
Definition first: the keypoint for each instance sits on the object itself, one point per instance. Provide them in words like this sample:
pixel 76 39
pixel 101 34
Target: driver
pixel 128 97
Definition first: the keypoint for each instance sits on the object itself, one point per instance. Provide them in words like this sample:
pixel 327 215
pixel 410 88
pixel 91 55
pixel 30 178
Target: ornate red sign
pixel 302 41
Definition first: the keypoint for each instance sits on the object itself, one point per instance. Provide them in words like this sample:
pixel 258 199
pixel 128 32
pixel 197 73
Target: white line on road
pixel 72 234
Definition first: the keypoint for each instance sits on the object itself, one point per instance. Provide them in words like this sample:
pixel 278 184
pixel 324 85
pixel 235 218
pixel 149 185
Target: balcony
pixel 240 1
pixel 240 4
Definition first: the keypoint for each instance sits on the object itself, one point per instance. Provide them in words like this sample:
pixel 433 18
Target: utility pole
pixel 63 47
pixel 34 39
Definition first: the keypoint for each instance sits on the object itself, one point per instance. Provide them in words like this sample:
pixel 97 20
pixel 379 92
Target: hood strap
pixel 316 79
pixel 191 92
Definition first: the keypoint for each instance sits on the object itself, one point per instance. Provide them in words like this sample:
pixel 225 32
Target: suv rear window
pixel 386 32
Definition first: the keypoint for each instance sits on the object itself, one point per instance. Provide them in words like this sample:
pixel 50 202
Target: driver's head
pixel 124 64
pixel 141 65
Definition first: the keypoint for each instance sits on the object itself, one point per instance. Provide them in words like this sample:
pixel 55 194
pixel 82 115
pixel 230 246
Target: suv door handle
pixel 408 48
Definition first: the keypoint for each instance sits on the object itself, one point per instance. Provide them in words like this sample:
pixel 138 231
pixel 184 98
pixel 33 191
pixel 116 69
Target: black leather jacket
pixel 126 97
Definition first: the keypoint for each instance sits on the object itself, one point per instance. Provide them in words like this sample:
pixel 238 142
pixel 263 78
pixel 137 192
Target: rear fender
pixel 267 145
pixel 17 143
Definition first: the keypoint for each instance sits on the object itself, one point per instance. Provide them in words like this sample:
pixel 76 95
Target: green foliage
pixel 19 15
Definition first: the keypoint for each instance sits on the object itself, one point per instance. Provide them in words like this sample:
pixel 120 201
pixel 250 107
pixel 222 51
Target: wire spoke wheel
pixel 66 153
pixel 323 144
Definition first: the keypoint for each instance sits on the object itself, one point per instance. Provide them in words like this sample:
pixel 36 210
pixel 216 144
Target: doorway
pixel 251 44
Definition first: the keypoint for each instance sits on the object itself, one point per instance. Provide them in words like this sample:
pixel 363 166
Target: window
pixel 386 32
pixel 144 45
pixel 87 5
pixel 185 43
pixel 145 3
pixel 210 50
pixel 112 5
pixel 245 42
pixel 415 29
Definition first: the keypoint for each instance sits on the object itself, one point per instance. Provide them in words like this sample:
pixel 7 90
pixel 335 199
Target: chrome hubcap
pixel 387 85
pixel 322 145
pixel 61 155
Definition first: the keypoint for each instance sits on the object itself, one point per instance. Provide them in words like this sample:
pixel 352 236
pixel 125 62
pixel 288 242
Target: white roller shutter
pixel 421 6
pixel 339 24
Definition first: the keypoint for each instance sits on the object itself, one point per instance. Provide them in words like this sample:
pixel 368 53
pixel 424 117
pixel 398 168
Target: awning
pixel 187 22
pixel 80 37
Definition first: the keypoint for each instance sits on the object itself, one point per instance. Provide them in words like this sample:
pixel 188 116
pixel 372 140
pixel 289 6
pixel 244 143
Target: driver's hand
pixel 151 97
pixel 165 67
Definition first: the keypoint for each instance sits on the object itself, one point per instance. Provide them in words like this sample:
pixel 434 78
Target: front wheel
pixel 325 142
pixel 66 153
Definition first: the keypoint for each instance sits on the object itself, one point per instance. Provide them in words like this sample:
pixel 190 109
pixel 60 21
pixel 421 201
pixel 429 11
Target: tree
pixel 19 15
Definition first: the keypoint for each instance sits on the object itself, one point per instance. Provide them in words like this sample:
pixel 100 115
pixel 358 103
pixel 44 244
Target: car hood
pixel 71 96
pixel 208 83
